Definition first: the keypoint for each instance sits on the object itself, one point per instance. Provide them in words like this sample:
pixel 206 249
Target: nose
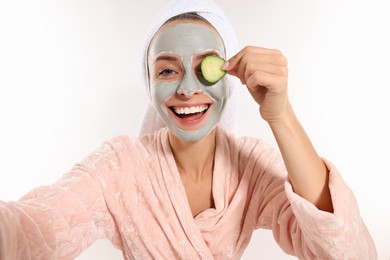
pixel 190 85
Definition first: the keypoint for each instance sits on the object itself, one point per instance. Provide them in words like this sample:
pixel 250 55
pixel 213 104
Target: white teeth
pixel 190 110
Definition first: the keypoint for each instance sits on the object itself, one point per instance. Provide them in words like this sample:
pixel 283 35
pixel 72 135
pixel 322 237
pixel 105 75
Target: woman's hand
pixel 264 72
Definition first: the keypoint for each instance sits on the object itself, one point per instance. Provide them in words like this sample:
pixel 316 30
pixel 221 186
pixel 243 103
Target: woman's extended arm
pixel 61 220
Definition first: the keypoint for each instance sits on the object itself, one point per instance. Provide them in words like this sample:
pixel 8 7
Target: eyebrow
pixel 166 58
pixel 207 53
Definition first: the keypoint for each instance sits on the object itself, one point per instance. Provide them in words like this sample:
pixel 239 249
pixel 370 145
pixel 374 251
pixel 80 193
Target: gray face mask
pixel 186 40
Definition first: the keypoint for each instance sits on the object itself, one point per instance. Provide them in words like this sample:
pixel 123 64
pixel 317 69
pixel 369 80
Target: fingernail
pixel 225 65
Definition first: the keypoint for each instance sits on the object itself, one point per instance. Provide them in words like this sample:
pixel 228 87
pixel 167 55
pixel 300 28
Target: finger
pixel 236 59
pixel 277 70
pixel 258 78
pixel 251 59
pixel 258 93
pixel 242 67
pixel 272 82
pixel 231 65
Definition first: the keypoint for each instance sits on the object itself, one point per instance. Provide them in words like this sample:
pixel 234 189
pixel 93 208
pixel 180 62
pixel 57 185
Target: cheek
pixel 162 91
pixel 218 91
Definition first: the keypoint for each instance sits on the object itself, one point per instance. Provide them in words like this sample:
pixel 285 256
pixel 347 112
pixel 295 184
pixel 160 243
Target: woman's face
pixel 189 106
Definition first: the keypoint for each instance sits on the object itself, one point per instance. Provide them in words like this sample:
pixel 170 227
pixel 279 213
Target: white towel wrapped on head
pixel 215 16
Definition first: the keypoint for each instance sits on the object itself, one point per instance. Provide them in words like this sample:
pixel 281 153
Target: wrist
pixel 285 118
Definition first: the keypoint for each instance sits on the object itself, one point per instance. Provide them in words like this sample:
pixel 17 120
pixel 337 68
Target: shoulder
pixel 110 150
pixel 244 144
pixel 124 143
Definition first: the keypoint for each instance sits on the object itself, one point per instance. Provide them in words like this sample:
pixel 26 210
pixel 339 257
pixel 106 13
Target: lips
pixel 189 111
pixel 190 115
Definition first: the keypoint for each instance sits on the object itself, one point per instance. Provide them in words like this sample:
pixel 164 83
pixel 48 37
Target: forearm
pixel 56 221
pixel 13 240
pixel 306 171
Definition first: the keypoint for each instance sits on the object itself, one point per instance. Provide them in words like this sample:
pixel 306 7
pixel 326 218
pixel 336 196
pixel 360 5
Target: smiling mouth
pixel 190 113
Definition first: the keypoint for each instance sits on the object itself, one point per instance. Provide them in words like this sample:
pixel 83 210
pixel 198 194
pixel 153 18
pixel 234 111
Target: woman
pixel 192 189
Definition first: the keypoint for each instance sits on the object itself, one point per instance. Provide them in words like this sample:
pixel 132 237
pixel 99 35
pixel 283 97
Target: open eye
pixel 167 67
pixel 166 72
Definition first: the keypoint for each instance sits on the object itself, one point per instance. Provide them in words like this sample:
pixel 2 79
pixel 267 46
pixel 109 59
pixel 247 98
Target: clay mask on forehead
pixel 186 40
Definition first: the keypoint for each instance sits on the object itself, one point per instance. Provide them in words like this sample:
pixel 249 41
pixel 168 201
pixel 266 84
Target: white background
pixel 70 78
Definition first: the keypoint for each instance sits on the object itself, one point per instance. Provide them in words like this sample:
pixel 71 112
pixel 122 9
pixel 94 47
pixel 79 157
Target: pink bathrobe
pixel 130 192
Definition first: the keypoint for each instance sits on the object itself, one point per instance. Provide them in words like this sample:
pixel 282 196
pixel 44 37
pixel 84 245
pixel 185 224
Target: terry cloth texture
pixel 130 192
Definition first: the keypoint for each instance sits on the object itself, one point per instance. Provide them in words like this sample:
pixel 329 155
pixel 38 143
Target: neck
pixel 194 160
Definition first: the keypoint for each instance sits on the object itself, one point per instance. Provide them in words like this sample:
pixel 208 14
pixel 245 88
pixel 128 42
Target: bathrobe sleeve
pixel 61 220
pixel 302 230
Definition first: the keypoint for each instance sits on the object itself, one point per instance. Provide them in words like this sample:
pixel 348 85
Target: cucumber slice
pixel 211 67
